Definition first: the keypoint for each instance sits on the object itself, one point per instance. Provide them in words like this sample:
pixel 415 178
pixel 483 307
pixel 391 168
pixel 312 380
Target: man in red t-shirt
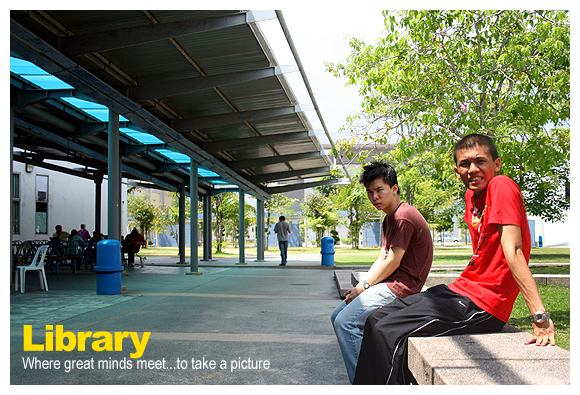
pixel 482 298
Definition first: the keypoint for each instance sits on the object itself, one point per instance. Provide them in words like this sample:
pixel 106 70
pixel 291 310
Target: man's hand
pixel 543 333
pixel 352 293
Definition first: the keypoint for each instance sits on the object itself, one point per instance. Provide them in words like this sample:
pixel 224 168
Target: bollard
pixel 108 267
pixel 327 251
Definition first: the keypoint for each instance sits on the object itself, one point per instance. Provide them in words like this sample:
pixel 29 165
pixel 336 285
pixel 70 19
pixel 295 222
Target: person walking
pixel 282 228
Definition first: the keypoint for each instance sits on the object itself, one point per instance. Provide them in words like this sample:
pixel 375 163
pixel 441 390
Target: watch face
pixel 541 317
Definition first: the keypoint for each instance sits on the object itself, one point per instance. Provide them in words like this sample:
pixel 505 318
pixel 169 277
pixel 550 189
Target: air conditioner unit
pixel 42 197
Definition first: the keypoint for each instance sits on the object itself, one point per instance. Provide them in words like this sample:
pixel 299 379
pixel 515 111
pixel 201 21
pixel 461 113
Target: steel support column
pixel 11 189
pixel 98 201
pixel 181 233
pixel 207 238
pixel 114 179
pixel 260 230
pixel 242 227
pixel 193 192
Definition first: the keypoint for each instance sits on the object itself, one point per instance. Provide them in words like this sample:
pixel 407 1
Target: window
pixel 15 204
pixel 41 194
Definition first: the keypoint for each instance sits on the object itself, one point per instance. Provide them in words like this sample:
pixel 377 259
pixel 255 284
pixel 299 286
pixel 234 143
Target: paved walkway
pixel 259 323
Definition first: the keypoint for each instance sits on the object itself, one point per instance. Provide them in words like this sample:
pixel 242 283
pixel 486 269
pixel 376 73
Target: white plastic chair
pixel 38 265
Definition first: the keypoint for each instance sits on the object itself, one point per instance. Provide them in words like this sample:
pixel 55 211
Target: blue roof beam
pixel 167 167
pixel 31 96
pixel 185 125
pixel 271 160
pixel 140 93
pixel 283 175
pixel 94 127
pixel 132 149
pixel 121 38
pixel 305 185
pixel 226 145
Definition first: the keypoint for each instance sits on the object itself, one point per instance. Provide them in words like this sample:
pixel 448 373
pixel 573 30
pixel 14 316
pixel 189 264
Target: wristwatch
pixel 540 316
pixel 366 285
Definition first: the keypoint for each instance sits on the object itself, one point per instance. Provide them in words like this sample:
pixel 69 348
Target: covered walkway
pixel 188 101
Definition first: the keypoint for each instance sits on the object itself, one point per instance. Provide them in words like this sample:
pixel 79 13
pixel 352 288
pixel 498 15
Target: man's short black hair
pixel 375 170
pixel 282 218
pixel 472 140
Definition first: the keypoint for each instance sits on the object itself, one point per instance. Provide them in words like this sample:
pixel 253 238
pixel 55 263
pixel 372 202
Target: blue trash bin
pixel 108 267
pixel 327 251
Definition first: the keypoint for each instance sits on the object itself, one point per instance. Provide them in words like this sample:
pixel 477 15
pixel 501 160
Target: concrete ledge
pixel 497 358
pixel 562 280
pixel 488 359
pixel 343 281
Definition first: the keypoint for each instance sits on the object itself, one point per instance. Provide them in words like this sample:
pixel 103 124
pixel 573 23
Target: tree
pixel 142 211
pixel 320 213
pixel 167 218
pixel 436 76
pixel 353 199
pixel 225 211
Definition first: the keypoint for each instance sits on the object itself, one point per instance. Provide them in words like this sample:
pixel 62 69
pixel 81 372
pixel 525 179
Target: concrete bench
pixel 562 280
pixel 495 358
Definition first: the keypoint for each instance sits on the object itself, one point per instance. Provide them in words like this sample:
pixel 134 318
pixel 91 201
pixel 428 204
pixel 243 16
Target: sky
pixel 321 35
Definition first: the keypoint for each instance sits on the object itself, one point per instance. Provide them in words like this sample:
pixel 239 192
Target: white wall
pixel 557 234
pixel 71 201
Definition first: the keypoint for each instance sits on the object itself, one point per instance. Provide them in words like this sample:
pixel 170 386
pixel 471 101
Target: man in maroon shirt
pixel 400 270
pixel 481 299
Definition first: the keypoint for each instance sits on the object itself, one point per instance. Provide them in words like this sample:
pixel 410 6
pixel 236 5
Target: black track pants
pixel 435 312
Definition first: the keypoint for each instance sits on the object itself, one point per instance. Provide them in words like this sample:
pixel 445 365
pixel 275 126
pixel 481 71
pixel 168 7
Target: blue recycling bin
pixel 327 251
pixel 108 267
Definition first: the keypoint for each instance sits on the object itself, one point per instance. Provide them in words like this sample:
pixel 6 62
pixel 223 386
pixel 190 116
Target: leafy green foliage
pixel 353 200
pixel 142 211
pixel 435 76
pixel 320 213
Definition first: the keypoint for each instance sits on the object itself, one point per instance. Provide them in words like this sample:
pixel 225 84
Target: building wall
pixel 71 201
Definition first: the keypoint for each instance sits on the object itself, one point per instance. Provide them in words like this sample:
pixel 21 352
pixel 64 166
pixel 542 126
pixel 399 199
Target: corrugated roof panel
pixel 163 62
pixel 219 51
pixel 225 50
pixel 198 104
pixel 81 22
pixel 257 94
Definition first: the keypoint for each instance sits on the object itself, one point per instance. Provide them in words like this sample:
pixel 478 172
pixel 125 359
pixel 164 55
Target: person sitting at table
pixel 84 233
pixel 75 243
pixel 97 236
pixel 132 244
pixel 60 234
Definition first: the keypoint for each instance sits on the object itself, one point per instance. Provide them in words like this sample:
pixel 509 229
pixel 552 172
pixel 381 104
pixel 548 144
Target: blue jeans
pixel 283 250
pixel 349 320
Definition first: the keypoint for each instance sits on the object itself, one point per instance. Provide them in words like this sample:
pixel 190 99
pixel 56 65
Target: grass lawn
pixel 446 255
pixel 557 302
pixel 366 256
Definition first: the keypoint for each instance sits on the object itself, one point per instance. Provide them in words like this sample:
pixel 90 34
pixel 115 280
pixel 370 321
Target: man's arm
pixel 511 243
pixel 383 267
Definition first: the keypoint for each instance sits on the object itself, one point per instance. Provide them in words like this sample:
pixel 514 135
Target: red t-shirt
pixel 487 279
pixel 407 229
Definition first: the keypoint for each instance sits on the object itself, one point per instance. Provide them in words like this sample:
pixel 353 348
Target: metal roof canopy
pixel 187 84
